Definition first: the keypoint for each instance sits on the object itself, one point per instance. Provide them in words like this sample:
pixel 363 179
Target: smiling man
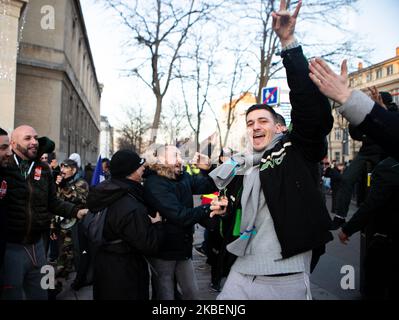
pixel 30 197
pixel 276 217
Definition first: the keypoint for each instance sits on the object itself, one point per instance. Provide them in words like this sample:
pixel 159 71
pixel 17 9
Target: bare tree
pixel 161 27
pixel 328 13
pixel 201 79
pixel 173 123
pixel 132 131
pixel 236 92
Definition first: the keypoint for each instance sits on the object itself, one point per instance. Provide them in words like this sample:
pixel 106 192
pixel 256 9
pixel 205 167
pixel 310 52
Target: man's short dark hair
pixel 281 119
pixel 262 107
pixel 3 132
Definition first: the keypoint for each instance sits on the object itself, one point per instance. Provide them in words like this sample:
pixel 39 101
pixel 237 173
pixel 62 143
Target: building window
pixel 337 134
pixel 337 156
pixel 369 77
pixel 351 83
pixel 390 70
pixel 379 74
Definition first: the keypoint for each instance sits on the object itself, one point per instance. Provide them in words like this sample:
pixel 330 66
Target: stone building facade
pixel 385 77
pixel 57 90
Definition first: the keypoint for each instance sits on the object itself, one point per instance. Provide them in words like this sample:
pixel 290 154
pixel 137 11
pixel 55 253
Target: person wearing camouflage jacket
pixel 74 250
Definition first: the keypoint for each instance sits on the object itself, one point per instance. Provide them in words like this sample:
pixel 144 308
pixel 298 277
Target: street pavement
pixel 325 280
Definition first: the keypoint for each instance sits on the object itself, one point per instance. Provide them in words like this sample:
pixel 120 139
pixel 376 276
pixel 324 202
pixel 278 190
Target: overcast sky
pixel 376 21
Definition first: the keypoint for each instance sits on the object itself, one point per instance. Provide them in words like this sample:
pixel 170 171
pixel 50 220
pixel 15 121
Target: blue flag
pixel 98 174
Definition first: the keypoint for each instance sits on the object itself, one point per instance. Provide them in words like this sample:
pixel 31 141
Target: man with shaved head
pixel 31 196
pixel 24 142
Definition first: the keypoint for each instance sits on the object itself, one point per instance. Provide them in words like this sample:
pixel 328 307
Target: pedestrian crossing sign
pixel 271 96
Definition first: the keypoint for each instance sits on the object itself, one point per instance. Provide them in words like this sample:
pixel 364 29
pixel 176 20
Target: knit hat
pixel 45 146
pixel 124 163
pixel 76 157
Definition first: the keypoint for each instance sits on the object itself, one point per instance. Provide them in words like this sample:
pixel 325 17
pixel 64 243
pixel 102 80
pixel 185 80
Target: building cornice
pixel 374 66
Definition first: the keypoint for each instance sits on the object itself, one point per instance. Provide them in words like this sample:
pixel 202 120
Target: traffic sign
pixel 271 96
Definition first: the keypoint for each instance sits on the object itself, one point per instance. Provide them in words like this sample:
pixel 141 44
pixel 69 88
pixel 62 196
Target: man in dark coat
pixel 370 154
pixel 379 215
pixel 170 191
pixel 369 116
pixel 120 267
pixel 30 197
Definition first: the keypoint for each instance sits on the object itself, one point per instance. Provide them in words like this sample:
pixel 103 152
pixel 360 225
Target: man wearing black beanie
pixel 124 162
pixel 120 267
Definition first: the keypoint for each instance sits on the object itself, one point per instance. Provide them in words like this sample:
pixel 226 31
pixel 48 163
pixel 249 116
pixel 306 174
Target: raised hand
pixel 284 23
pixel 329 83
pixel 375 95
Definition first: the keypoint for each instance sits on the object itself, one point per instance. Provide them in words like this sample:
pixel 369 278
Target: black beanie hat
pixel 45 146
pixel 124 163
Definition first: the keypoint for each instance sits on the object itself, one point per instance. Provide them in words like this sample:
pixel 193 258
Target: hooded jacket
pixel 127 216
pixel 120 270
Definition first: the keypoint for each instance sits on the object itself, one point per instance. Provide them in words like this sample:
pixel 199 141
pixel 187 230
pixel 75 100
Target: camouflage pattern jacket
pixel 74 190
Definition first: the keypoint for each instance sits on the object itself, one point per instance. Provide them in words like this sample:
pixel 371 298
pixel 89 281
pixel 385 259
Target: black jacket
pixel 173 199
pixel 381 207
pixel 3 227
pixel 30 201
pixel 383 127
pixel 120 270
pixel 289 172
pixel 369 148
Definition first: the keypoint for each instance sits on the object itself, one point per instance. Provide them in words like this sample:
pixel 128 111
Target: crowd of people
pixel 263 209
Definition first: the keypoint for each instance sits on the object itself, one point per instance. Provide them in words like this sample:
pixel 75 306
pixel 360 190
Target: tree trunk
pixel 157 120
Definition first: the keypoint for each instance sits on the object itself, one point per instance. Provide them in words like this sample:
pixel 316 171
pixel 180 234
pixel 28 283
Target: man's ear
pixel 74 170
pixel 278 128
pixel 14 145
